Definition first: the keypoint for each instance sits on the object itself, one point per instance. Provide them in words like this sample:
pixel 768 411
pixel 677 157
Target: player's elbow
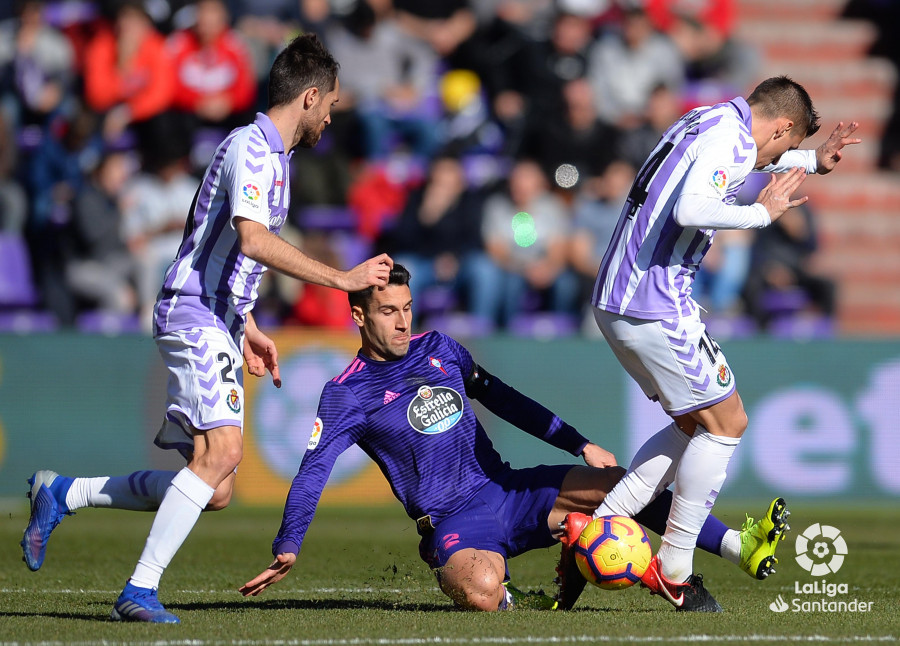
pixel 251 238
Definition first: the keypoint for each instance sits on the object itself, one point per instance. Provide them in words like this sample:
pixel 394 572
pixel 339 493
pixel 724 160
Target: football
pixel 613 552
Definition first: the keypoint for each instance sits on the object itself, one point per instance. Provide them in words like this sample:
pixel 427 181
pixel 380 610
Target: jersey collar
pixel 270 131
pixel 743 109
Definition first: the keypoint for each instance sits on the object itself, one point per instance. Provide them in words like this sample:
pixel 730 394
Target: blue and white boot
pixel 141 604
pixel 48 508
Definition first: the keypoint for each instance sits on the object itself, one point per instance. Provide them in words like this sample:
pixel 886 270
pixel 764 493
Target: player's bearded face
pixel 386 325
pixel 310 129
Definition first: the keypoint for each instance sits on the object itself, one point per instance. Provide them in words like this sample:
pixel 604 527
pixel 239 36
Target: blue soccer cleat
pixel 141 604
pixel 48 508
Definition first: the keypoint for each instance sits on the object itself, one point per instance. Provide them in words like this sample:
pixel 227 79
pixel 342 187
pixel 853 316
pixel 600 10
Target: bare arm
pixel 263 246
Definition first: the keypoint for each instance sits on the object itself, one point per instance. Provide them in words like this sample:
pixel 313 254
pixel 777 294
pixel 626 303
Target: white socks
pixel 140 491
pixel 178 513
pixel 699 478
pixel 651 471
pixel 731 546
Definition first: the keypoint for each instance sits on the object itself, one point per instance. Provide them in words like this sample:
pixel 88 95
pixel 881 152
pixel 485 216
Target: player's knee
pixel 477 598
pixel 229 457
pixel 474 585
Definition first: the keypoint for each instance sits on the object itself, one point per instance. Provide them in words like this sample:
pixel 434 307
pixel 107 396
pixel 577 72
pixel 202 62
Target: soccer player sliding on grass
pixel 405 400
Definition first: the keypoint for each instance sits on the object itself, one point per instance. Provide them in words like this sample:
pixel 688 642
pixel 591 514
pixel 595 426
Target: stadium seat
pixel 16 285
pixel 325 217
pixel 108 323
pixel 460 324
pixel 782 302
pixel 730 327
pixel 435 300
pixel 543 325
pixel 27 322
pixel 802 327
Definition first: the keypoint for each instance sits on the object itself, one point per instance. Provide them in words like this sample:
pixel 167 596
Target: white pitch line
pixel 549 639
pixel 414 641
pixel 229 590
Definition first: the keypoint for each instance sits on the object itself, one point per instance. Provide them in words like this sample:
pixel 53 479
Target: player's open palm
pixel 272 574
pixel 829 153
pixel 374 271
pixel 776 196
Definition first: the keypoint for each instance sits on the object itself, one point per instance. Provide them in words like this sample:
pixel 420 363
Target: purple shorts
pixel 508 516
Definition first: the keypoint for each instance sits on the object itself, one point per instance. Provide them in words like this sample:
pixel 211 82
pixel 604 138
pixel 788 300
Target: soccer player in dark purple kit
pixel 204 328
pixel 405 400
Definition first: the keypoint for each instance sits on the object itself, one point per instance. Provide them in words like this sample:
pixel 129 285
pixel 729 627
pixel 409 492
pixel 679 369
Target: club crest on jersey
pixel 719 179
pixel 723 375
pixel 316 435
pixel 437 364
pixel 234 401
pixel 434 410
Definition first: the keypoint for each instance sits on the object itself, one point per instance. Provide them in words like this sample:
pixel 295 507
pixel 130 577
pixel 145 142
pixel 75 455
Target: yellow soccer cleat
pixel 530 600
pixel 759 540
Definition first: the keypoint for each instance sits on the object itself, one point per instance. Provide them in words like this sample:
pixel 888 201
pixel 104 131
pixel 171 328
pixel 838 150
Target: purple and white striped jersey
pixel 703 159
pixel 211 283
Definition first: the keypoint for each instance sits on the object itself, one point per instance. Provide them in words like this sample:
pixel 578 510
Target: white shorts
pixel 674 361
pixel 205 387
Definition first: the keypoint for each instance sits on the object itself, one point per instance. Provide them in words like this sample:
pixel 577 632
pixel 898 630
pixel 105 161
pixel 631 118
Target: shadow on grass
pixel 59 615
pixel 313 604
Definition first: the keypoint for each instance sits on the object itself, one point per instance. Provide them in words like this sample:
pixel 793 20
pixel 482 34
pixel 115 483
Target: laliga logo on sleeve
pixel 251 191
pixel 821 549
pixel 719 179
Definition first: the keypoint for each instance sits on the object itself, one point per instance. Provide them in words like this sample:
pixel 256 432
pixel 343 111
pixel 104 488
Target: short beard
pixel 308 137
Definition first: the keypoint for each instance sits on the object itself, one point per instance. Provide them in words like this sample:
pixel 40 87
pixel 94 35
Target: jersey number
pixel 710 347
pixel 638 194
pixel 227 368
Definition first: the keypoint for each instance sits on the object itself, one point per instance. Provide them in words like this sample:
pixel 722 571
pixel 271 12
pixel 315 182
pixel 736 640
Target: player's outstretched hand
pixel 776 196
pixel 374 271
pixel 260 353
pixel 829 153
pixel 272 574
pixel 595 456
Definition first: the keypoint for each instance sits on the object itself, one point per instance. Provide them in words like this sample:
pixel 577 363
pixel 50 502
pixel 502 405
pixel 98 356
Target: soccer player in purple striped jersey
pixel 642 301
pixel 204 328
pixel 406 401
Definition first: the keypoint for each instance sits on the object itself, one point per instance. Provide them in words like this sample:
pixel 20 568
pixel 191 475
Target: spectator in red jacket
pixel 214 74
pixel 128 72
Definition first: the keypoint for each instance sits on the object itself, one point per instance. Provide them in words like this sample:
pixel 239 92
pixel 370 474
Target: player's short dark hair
pixel 399 276
pixel 303 64
pixel 781 96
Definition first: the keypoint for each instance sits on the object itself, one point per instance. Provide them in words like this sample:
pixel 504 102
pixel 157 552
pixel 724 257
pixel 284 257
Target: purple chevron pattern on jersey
pixel 211 283
pixel 424 437
pixel 649 266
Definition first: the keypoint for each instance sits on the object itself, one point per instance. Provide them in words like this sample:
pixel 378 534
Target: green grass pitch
pixel 359 581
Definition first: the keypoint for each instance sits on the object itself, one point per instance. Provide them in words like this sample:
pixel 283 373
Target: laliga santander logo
pixel 821 549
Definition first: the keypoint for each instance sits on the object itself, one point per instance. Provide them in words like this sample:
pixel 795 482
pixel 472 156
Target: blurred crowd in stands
pixel 486 144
